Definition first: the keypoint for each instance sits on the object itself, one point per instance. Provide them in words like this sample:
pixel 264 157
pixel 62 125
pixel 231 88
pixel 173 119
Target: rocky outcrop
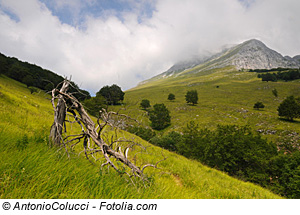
pixel 252 54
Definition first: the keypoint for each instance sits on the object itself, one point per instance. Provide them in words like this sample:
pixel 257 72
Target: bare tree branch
pixel 96 142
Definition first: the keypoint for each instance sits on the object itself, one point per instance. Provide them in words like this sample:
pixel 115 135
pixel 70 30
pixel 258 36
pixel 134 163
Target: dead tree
pixel 96 143
pixel 55 137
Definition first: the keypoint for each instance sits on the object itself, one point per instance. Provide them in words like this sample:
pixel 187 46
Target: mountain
pixel 297 58
pixel 252 54
pixel 182 65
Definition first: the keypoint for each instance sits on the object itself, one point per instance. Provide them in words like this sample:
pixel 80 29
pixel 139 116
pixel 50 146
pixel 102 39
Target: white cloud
pixel 107 50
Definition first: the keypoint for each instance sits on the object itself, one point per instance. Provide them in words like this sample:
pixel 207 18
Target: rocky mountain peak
pixel 254 54
pixel 251 54
pixel 254 43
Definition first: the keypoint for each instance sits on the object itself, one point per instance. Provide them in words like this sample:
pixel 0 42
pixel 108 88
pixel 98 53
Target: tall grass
pixel 30 169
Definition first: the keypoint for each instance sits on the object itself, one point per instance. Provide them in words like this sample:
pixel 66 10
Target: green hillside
pixel 30 169
pixel 226 96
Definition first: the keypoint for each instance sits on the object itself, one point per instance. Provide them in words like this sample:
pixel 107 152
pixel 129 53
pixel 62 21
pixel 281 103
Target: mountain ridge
pixel 251 54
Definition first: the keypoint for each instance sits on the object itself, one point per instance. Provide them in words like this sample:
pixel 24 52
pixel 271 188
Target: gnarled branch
pixel 67 104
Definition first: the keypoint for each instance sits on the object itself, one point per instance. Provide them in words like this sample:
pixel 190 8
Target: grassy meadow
pixel 30 169
pixel 226 96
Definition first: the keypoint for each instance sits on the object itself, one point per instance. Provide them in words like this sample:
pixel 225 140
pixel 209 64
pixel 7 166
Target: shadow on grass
pixel 262 110
pixel 287 120
pixel 191 104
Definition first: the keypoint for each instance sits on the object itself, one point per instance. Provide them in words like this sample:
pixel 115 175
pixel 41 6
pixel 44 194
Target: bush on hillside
pixel 284 171
pixel 258 105
pixel 289 108
pixel 33 90
pixel 144 133
pixel 168 141
pixel 94 105
pixel 233 149
pixel 192 97
pixel 145 104
pixel 159 117
pixel 171 97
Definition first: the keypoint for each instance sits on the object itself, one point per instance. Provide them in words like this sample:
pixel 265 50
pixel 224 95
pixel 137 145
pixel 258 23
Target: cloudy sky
pixel 104 42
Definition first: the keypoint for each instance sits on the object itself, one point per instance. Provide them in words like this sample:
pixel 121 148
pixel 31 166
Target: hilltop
pixel 251 54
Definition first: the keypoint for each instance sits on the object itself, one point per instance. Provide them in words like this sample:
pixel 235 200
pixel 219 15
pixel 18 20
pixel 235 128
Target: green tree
pixel 168 141
pixel 258 105
pixel 239 151
pixel 160 117
pixel 112 94
pixel 171 97
pixel 192 97
pixel 145 103
pixel 94 105
pixel 142 132
pixel 289 108
pixel 269 77
pixel 284 171
pixel 194 141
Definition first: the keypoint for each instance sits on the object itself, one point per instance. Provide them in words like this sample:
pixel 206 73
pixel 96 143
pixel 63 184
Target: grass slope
pixel 230 103
pixel 38 171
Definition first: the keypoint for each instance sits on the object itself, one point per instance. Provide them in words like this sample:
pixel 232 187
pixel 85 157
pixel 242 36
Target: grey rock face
pixel 253 54
pixel 297 58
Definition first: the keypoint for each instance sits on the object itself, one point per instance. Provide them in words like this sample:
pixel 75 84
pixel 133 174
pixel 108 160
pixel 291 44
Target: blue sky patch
pixel 10 13
pixel 75 12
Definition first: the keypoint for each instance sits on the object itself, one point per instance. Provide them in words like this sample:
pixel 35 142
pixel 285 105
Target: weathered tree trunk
pixel 55 137
pixel 67 103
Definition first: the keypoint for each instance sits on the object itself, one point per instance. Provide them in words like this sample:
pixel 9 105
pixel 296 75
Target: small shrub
pixel 169 141
pixel 33 90
pixel 144 133
pixel 22 143
pixel 94 105
pixel 275 92
pixel 258 105
pixel 171 97
pixel 145 103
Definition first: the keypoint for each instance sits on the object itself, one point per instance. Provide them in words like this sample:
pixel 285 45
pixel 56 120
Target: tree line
pixel 284 75
pixel 36 77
